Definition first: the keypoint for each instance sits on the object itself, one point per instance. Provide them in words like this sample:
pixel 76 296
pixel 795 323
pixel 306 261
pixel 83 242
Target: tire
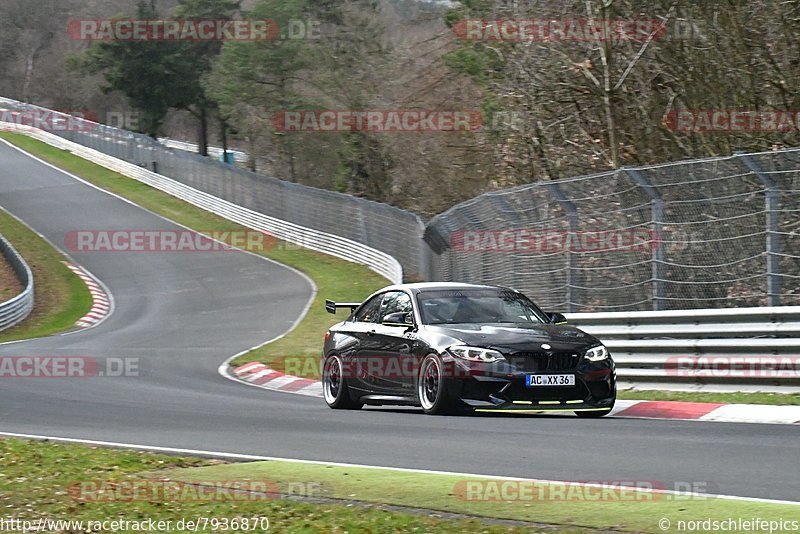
pixel 334 386
pixel 601 413
pixel 594 415
pixel 433 388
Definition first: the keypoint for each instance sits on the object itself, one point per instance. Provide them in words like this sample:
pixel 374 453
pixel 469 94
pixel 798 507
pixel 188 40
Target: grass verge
pixel 60 296
pixel 10 286
pixel 60 482
pixel 776 399
pixel 569 506
pixel 335 279
pixel 82 483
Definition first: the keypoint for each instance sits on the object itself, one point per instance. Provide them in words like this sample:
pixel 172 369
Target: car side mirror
pixel 398 319
pixel 557 318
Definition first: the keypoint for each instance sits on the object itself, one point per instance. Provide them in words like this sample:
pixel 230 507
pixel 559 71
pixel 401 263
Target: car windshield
pixel 458 306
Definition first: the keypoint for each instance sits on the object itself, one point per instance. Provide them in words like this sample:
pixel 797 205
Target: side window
pixel 369 311
pixel 393 302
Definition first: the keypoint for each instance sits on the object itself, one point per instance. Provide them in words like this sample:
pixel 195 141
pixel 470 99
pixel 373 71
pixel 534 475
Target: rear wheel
pixel 334 386
pixel 433 388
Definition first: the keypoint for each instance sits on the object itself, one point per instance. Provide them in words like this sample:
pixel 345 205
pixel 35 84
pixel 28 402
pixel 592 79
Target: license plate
pixel 549 380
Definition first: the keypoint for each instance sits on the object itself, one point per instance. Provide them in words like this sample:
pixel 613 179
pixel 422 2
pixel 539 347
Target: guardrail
pixel 744 349
pixel 213 151
pixel 334 245
pixel 18 308
pixel 376 225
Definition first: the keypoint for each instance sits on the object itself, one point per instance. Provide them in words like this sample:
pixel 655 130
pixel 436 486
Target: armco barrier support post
pixel 658 226
pixel 572 217
pixel 773 244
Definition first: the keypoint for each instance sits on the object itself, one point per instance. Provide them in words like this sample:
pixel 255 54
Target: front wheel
pixel 594 414
pixel 334 386
pixel 433 388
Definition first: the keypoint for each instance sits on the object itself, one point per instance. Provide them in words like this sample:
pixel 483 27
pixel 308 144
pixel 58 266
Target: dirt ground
pixel 9 284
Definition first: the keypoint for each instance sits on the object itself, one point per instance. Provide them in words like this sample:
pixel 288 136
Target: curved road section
pixel 179 315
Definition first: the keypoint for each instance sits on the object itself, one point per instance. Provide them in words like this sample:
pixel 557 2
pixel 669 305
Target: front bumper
pixel 502 388
pixel 539 406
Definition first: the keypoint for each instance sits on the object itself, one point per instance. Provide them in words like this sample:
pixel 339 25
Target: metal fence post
pixel 659 254
pixel 773 244
pixel 572 217
pixel 426 270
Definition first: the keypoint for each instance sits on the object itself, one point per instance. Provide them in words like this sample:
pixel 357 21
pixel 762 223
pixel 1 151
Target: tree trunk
pixel 224 129
pixel 29 64
pixel 202 147
pixel 608 105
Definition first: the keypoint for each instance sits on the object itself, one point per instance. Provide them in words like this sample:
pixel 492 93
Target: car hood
pixel 508 337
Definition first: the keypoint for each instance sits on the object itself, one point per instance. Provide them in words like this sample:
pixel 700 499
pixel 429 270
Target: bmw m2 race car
pixel 451 348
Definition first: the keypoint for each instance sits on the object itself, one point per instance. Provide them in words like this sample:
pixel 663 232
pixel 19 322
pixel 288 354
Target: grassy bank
pixel 60 297
pixel 47 480
pixel 76 482
pixel 781 399
pixel 568 506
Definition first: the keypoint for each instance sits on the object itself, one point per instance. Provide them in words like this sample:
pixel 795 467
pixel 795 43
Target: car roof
pixel 432 286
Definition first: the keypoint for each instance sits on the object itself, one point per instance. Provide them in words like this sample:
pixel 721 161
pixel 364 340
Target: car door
pixel 363 329
pixel 395 367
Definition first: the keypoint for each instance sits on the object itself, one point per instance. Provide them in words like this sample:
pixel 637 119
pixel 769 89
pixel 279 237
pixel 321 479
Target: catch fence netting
pixel 719 232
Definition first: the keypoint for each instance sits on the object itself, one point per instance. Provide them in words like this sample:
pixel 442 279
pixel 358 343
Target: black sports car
pixel 457 347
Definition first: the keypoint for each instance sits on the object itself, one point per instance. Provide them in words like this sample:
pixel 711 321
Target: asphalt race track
pixel 182 314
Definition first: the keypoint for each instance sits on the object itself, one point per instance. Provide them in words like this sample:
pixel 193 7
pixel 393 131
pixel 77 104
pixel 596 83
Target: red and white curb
pixel 101 302
pixel 709 411
pixel 258 374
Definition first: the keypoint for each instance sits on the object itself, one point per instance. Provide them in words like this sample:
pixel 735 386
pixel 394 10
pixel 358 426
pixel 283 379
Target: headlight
pixel 596 354
pixel 475 354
